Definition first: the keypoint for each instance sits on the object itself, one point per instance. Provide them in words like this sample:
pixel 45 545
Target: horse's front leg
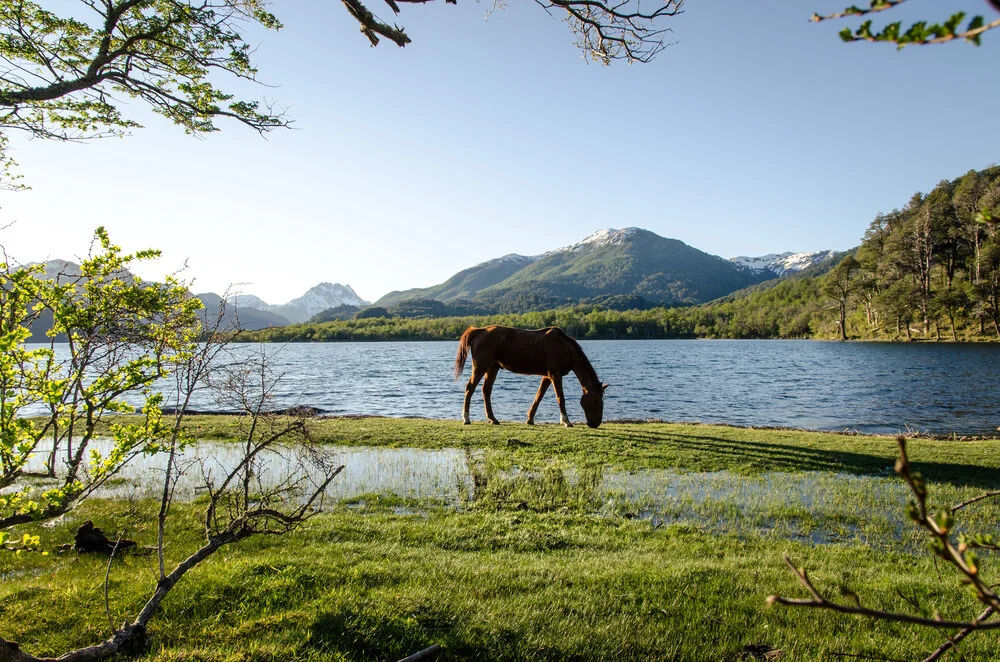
pixel 470 388
pixel 538 398
pixel 557 385
pixel 491 376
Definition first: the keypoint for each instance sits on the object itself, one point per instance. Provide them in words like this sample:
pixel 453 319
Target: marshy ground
pixel 633 541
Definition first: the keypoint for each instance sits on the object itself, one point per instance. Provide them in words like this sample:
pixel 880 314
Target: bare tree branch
pixel 939 525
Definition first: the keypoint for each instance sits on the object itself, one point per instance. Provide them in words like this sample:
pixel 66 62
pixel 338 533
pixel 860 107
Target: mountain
pixel 465 284
pixel 782 264
pixel 250 319
pixel 610 262
pixel 319 298
pixel 255 313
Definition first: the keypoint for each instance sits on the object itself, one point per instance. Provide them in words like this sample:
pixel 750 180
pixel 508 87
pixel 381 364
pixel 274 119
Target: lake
pixel 870 387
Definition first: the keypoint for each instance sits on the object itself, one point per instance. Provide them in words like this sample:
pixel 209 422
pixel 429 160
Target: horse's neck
pixel 584 371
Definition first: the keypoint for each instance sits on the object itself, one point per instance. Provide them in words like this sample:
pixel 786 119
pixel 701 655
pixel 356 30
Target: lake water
pixel 870 387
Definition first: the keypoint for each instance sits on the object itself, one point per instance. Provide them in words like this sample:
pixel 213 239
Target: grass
pixel 535 565
pixel 630 446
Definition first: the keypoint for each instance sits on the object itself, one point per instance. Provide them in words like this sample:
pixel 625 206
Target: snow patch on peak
pixel 241 300
pixel 782 263
pixel 316 300
pixel 511 257
pixel 605 237
pixel 326 295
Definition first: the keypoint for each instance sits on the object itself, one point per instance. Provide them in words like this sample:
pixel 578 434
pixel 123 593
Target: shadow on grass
pixel 377 636
pixel 791 457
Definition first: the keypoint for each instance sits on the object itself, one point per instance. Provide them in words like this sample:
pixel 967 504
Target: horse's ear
pixel 604 387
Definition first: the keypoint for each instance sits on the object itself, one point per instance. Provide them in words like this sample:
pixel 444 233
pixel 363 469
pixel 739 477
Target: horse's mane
pixel 591 374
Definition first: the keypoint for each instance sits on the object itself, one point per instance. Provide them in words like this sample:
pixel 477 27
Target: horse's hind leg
pixel 470 388
pixel 544 386
pixel 491 376
pixel 557 385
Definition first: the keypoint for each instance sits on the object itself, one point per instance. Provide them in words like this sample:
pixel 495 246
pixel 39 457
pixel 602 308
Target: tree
pixel 839 285
pixel 605 31
pixel 122 335
pixel 896 302
pixel 952 301
pixel 64 75
pixel 920 32
pixel 240 503
pixel 374 312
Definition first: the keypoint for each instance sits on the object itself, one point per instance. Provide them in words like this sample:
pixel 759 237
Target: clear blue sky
pixel 756 132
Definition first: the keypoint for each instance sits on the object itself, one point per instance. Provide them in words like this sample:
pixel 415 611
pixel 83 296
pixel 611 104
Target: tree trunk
pixel 129 633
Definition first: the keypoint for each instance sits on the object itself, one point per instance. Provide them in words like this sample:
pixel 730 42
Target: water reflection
pixel 818 507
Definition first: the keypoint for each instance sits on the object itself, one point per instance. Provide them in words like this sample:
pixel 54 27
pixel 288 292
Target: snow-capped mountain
pixel 316 300
pixel 605 237
pixel 781 264
pixel 241 300
pixel 323 296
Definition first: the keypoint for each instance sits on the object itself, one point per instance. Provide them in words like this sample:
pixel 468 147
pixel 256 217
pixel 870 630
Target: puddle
pixel 412 473
pixel 814 507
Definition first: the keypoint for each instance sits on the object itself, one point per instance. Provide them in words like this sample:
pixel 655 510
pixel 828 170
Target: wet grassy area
pixel 633 541
pixel 686 447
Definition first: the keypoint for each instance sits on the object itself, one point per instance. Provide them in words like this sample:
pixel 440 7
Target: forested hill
pixel 927 271
pixel 630 262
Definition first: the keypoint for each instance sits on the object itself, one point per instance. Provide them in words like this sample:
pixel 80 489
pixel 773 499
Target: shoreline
pixel 318 414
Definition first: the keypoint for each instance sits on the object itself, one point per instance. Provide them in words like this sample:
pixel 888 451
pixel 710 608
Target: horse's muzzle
pixel 593 425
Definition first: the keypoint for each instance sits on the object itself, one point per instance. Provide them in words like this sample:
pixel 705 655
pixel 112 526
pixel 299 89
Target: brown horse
pixel 547 352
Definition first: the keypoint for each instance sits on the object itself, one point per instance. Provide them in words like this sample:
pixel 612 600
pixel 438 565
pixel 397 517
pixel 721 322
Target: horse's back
pixel 525 351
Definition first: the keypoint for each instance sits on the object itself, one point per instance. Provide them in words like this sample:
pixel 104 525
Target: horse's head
pixel 593 406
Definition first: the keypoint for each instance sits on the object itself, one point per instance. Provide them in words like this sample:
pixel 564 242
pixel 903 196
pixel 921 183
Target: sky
pixel 755 132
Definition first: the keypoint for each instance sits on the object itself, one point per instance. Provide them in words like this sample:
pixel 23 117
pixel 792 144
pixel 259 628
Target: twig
pixel 973 500
pixel 107 580
pixel 427 653
pixel 959 636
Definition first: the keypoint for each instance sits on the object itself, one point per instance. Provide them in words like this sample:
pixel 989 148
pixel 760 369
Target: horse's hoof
pixel 494 421
pixel 466 421
pixel 530 421
pixel 567 424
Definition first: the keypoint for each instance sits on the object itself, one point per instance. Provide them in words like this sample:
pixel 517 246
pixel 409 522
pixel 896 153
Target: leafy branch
pixel 957 551
pixel 919 33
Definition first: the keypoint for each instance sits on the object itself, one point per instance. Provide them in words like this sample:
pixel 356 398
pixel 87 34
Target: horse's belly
pixel 524 367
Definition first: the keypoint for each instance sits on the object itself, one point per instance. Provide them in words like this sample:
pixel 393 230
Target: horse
pixel 548 352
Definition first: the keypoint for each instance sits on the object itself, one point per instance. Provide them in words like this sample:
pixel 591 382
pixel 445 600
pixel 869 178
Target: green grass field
pixel 534 564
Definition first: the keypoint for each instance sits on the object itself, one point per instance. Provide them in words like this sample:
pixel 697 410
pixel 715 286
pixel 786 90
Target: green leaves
pixel 125 334
pixel 64 76
pixel 27 543
pixel 920 32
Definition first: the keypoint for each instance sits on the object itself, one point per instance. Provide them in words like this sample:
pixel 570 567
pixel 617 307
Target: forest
pixel 927 271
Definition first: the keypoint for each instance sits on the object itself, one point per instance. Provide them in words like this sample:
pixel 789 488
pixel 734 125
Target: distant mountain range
pixel 631 263
pixel 255 313
pixel 319 298
pixel 627 268
pixel 781 264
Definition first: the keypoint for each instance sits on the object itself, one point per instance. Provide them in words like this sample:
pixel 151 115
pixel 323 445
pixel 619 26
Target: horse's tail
pixel 463 350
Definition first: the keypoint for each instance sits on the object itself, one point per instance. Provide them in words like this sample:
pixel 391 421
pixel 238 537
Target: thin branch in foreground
pixel 939 525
